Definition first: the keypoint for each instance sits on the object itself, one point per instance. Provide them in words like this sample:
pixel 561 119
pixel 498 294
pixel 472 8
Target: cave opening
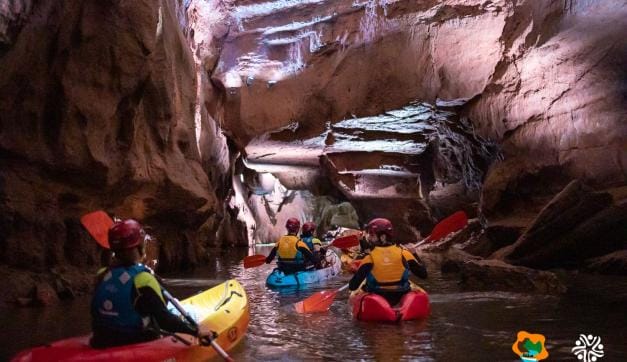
pixel 414 165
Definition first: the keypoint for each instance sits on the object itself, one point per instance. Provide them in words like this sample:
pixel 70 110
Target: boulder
pixel 496 235
pixel 493 275
pixel 576 225
pixel 458 237
pixel 340 215
pixel 453 260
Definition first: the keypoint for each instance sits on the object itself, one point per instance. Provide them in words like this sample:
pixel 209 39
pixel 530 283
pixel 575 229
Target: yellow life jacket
pixel 389 269
pixel 287 249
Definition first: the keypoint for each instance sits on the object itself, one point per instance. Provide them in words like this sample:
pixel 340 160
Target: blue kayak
pixel 278 279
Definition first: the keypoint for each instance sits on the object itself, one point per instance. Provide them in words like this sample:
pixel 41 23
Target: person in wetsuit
pixel 128 305
pixel 386 269
pixel 293 254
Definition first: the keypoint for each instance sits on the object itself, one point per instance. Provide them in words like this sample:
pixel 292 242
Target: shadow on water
pixel 463 326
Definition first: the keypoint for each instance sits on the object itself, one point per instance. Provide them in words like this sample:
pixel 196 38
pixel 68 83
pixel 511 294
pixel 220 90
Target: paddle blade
pixel 346 242
pixel 98 224
pixel 451 224
pixel 254 261
pixel 317 302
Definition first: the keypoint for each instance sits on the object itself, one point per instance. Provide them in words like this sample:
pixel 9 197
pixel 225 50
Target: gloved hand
pixel 205 337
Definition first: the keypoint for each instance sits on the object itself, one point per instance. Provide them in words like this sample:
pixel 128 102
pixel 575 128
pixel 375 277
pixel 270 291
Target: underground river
pixel 463 326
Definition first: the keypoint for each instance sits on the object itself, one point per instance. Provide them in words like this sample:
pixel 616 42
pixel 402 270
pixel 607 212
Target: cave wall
pixel 556 102
pixel 127 106
pixel 102 107
pixel 546 79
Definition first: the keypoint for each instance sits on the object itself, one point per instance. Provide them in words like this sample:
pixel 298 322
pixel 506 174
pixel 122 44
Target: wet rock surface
pixel 33 289
pixel 478 274
pixel 614 263
pixel 387 165
pixel 98 104
pixel 497 275
pixel 577 224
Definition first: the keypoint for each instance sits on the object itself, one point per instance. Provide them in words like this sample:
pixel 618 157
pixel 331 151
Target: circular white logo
pixel 588 348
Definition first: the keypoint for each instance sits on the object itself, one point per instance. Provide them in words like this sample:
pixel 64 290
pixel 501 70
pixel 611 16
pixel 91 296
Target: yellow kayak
pixel 222 309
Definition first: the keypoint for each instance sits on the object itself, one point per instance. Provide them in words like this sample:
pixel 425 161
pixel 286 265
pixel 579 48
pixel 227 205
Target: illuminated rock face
pixel 125 106
pixel 98 104
pixel 412 165
pixel 545 79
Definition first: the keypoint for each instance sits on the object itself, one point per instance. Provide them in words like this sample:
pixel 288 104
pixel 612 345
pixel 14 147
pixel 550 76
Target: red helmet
pixel 125 234
pixel 380 226
pixel 308 228
pixel 292 225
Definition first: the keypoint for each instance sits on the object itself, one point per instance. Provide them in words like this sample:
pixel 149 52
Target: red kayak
pixel 374 308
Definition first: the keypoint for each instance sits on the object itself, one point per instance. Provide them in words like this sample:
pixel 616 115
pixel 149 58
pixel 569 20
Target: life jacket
pixel 287 250
pixel 310 241
pixel 390 272
pixel 112 307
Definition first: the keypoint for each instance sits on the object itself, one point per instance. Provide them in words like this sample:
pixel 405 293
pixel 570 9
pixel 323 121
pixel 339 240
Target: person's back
pixel 128 305
pixel 115 320
pixel 292 252
pixel 386 269
pixel 314 244
pixel 389 269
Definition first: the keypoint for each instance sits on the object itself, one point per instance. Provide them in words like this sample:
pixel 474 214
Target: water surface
pixel 463 326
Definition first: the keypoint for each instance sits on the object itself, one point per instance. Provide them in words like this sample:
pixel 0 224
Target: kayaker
pixel 386 269
pixel 365 246
pixel 314 244
pixel 128 305
pixel 293 253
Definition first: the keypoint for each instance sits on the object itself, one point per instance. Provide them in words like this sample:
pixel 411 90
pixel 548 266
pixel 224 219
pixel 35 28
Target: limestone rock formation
pixel 614 263
pixel 99 110
pixel 497 275
pixel 542 78
pixel 577 224
pixel 385 165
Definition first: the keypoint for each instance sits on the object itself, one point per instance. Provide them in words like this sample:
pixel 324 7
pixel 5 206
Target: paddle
pixel 321 301
pixel 254 261
pixel 95 222
pixel 318 302
pixel 346 242
pixel 451 224
pixel 191 320
pixel 98 224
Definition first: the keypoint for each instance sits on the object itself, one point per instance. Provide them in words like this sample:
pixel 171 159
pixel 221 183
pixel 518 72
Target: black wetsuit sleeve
pixel 360 276
pixel 307 254
pixel 148 303
pixel 417 269
pixel 364 245
pixel 271 256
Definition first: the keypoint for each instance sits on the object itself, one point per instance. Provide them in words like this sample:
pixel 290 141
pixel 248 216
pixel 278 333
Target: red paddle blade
pixel 254 261
pixel 98 224
pixel 317 302
pixel 453 223
pixel 346 242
